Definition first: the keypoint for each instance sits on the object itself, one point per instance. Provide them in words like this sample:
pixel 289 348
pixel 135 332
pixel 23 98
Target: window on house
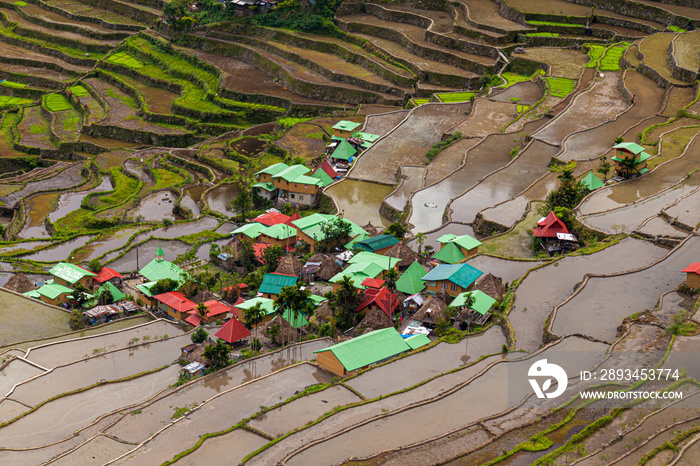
pixel 444 286
pixel 454 287
pixel 432 283
pixel 301 197
pixel 292 196
pixel 296 185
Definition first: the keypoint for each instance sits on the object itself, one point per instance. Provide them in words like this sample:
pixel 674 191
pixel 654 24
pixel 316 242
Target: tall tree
pixel 296 301
pixel 397 230
pixel 391 276
pixel 420 239
pixel 334 231
pixel 253 316
pixel 272 256
pixel 202 310
pixel 217 355
pixel 348 298
pixel 604 167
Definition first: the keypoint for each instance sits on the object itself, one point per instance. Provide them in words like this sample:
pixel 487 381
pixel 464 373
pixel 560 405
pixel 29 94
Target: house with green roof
pixel 482 302
pixel 279 235
pixel 145 295
pixel 273 283
pixel 378 244
pixel 343 152
pixel 323 177
pixel 449 253
pixel 467 246
pixel 266 304
pixel 452 278
pixel 249 231
pixel 371 348
pixel 160 269
pixel 367 138
pixel 310 229
pixel 630 159
pixel 592 182
pixel 71 275
pixel 345 128
pixel 55 293
pixel 294 186
pixel 358 273
pixel 385 262
pixel 410 282
pixel 108 287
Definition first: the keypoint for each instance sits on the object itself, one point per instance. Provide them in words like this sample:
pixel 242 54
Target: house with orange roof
pixel 174 304
pixel 692 277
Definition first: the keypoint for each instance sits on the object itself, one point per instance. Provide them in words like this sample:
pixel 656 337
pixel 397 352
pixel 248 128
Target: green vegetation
pixel 523 108
pixel 79 91
pixel 543 34
pixel 6 101
pixel 677 29
pixel 56 103
pixel 128 101
pixel 20 3
pixel 166 178
pixel 12 84
pixel 288 122
pixel 124 188
pixel 38 129
pixel 451 97
pixel 420 101
pixel 560 87
pixel 594 52
pixel 513 78
pixel 548 23
pixel 611 59
pixel 123 58
pixel 439 146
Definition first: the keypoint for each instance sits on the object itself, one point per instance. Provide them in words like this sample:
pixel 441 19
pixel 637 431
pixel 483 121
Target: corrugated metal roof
pixel 273 169
pixel 232 331
pixel 376 243
pixel 369 348
pixel 465 241
pixel 410 281
pixel 592 182
pixel 385 262
pixel 459 274
pixel 450 254
pixel 417 341
pixel 266 304
pixel 69 272
pixel 482 301
pixel 322 177
pixel 344 151
pixel 251 230
pixel 53 290
pixel 293 172
pixel 345 125
pixel 274 282
pixel 280 231
pixel 161 269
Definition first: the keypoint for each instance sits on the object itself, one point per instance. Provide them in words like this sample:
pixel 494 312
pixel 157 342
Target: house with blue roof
pixel 452 278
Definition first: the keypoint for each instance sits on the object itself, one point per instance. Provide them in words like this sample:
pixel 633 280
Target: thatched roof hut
pixel 289 265
pixel 197 355
pixel 329 269
pixel 285 329
pixel 202 296
pixel 371 229
pixel 323 313
pixel 492 286
pixel 318 257
pixel 375 320
pixel 431 312
pixel 402 251
pixel 19 283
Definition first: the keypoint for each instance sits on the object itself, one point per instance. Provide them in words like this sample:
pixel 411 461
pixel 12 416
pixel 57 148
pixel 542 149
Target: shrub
pixel 199 336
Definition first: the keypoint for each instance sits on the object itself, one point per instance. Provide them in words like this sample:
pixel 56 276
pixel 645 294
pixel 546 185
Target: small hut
pixel 431 312
pixel 492 286
pixel 375 320
pixel 329 269
pixel 289 265
pixel 308 271
pixel 285 329
pixel 19 283
pixel 197 354
pixel 371 229
pixel 401 251
pixel 202 296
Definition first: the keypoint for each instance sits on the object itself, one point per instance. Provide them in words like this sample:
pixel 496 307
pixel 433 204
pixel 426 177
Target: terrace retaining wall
pixel 678 72
pixel 87 19
pixel 641 10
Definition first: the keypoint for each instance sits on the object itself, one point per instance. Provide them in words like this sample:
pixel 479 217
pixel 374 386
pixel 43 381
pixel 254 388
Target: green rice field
pixel 543 34
pixel 56 103
pixel 12 84
pixel 611 59
pixel 123 58
pixel 451 97
pixel 560 87
pixel 79 91
pixel 6 100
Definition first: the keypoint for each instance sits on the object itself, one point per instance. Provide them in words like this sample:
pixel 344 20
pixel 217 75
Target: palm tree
pixel 468 303
pixel 420 239
pixel 253 316
pixel 294 299
pixel 391 276
pixel 629 165
pixel 202 310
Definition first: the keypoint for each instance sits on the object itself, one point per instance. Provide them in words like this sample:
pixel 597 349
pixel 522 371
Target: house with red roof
pixel 232 331
pixel 692 277
pixel 216 310
pixel 174 304
pixel 548 227
pixel 378 299
pixel 373 283
pixel 271 218
pixel 108 275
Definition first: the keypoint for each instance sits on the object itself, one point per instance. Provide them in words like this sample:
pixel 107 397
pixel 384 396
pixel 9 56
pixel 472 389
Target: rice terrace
pixel 351 232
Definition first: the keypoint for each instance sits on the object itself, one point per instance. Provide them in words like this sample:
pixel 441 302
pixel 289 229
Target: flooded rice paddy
pixel 220 197
pixel 69 202
pixel 14 372
pixel 411 180
pixel 224 450
pixel 658 226
pixel 191 197
pixel 141 254
pixel 602 296
pixel 157 207
pixel 360 201
pixel 61 251
pixel 548 286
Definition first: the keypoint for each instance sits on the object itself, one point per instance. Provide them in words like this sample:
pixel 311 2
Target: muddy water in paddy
pixel 224 450
pixel 596 142
pixel 59 419
pixel 297 413
pixel 111 366
pixel 248 146
pixel 99 450
pixel 488 13
pixel 221 413
pixel 9 410
pixel 26 245
pixel 203 251
pixel 449 160
pixel 526 92
pixel 487 117
pixel 157 207
pixel 657 180
pixel 687 211
pixel 508 270
pixel 548 286
pixel 106 243
pixel 360 200
pixel 109 143
pixel 492 389
pixel 502 185
pixel 411 181
pixel 60 252
pixel 510 212
pixel 630 217
pixel 605 301
pixel 65 352
pixel 658 226
pixel 426 364
pixel 202 389
pixel 220 197
pixel 38 208
pixel 146 253
pixel 66 179
pixel 383 123
pixel 15 372
pixel 191 196
pixel 69 202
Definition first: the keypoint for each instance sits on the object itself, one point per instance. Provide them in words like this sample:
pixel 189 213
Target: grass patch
pixel 166 178
pixel 611 59
pixel 548 23
pixel 124 187
pixel 543 34
pixel 560 87
pixel 56 103
pixel 456 97
pixel 79 91
pixel 127 100
pixel 6 101
pixel 677 29
pixel 38 129
pixel 123 58
pixel 19 3
pixel 523 108
pixel 421 101
pixel 288 122
pixel 439 146
pixel 594 52
pixel 12 84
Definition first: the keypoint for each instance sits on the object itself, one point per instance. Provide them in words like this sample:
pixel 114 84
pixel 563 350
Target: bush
pixel 326 330
pixel 256 345
pixel 76 321
pixel 199 335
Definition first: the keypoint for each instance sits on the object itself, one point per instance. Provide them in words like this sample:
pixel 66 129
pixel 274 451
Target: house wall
pixel 146 300
pixel 305 199
pixel 469 252
pixel 692 280
pixel 328 361
pixel 85 281
pixel 306 238
pixel 264 178
pixel 278 242
pixel 62 298
pixel 243 237
pixel 172 312
pixel 448 286
pixel 265 194
pixel 341 133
